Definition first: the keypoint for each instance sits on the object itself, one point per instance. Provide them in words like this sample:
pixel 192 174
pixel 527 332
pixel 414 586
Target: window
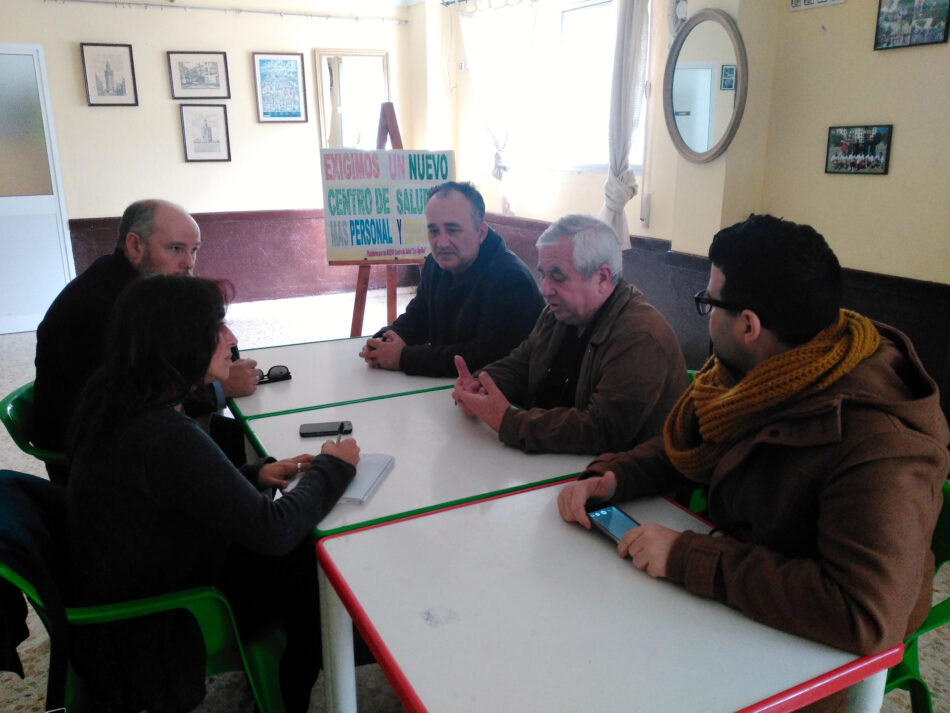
pixel 568 124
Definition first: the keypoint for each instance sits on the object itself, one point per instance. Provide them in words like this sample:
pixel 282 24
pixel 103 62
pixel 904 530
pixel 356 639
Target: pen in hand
pixel 339 432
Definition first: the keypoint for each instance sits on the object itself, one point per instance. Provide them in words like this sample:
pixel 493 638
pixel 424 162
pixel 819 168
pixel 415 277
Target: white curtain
pixel 498 42
pixel 626 99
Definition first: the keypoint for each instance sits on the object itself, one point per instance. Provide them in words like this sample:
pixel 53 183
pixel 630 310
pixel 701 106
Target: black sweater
pixel 155 512
pixel 481 314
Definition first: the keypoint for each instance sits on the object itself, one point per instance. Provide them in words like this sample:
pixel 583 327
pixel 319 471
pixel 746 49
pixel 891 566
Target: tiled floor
pixel 258 324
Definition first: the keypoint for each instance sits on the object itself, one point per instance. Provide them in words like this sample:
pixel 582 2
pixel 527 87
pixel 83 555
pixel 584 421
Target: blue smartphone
pixel 612 521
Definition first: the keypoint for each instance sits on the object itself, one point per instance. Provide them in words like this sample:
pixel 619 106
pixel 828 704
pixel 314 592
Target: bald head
pixel 159 237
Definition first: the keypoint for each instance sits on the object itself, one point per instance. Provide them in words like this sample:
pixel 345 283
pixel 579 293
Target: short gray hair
pixel 595 244
pixel 138 218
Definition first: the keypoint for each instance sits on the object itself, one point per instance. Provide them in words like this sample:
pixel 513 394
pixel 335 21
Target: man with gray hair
pixel 601 368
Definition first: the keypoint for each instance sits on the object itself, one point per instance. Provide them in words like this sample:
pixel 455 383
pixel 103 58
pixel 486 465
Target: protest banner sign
pixel 374 202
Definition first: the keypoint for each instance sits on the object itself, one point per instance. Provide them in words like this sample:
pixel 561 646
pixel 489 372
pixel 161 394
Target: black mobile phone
pixel 612 521
pixel 327 428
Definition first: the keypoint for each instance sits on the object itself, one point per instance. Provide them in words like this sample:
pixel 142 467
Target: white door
pixel 36 258
pixel 693 99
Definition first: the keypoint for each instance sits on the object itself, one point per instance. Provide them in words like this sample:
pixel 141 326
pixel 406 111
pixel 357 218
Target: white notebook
pixel 371 469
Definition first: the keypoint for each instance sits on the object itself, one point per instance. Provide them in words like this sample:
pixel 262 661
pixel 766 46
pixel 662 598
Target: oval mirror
pixel 705 85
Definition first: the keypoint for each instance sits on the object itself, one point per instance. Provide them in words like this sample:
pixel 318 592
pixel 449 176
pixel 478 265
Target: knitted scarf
pixel 716 410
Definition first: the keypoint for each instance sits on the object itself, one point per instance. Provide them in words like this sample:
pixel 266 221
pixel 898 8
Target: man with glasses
pixel 155 237
pixel 601 368
pixel 820 443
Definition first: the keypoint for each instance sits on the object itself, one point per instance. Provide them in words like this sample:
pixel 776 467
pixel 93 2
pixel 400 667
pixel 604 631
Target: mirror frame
pixel 742 84
pixel 320 53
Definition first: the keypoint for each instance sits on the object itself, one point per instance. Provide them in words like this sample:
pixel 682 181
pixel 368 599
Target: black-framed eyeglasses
pixel 275 373
pixel 705 303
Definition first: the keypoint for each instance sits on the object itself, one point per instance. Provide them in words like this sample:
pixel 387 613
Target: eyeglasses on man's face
pixel 705 303
pixel 275 373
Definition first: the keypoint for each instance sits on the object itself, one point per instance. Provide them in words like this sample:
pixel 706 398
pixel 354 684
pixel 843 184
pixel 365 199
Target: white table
pixel 501 606
pixel 323 373
pixel 442 455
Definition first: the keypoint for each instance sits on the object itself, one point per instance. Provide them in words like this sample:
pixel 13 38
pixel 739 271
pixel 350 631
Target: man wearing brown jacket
pixel 820 442
pixel 601 368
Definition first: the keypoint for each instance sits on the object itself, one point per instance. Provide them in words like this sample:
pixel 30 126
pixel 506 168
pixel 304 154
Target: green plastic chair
pixel 906 674
pixel 259 659
pixel 697 499
pixel 33 513
pixel 16 412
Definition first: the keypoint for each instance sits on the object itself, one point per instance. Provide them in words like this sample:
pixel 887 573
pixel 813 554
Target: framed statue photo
pixel 204 131
pixel 109 74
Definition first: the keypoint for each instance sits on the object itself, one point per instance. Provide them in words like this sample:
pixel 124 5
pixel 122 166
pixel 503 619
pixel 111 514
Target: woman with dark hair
pixel 155 506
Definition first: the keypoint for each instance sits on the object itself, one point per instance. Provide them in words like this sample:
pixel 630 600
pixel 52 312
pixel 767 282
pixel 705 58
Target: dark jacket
pixel 69 345
pixel 158 512
pixel 481 314
pixel 832 503
pixel 631 374
pixel 32 524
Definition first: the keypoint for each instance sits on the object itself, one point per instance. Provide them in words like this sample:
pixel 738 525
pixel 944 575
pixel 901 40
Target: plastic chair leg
pixel 263 665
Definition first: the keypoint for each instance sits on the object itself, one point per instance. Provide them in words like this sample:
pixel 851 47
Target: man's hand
pixel 242 379
pixel 572 500
pixel 344 450
pixel 466 383
pixel 276 475
pixel 489 404
pixel 383 353
pixel 649 546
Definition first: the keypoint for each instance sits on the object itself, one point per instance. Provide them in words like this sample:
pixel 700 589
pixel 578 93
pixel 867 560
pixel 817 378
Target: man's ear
pixel 135 248
pixel 748 327
pixel 482 232
pixel 604 276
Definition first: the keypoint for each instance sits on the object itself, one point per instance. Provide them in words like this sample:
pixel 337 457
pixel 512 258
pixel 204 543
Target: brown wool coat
pixel 831 505
pixel 631 374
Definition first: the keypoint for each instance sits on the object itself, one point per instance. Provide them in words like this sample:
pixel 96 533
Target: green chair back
pixel 906 674
pixel 224 651
pixel 22 556
pixel 16 412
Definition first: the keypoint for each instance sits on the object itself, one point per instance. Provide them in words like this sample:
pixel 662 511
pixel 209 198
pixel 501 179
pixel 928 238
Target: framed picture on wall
pixel 907 23
pixel 199 75
pixel 109 74
pixel 727 81
pixel 859 149
pixel 204 131
pixel 281 93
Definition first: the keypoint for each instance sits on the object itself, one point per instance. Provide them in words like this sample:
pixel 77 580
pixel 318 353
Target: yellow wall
pixel 808 70
pixel 828 74
pixel 111 156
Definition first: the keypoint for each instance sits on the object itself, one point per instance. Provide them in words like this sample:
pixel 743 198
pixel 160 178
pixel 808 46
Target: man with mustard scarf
pixel 819 440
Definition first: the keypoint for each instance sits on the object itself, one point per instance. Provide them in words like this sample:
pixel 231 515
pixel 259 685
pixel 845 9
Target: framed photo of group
pixel 859 149
pixel 908 23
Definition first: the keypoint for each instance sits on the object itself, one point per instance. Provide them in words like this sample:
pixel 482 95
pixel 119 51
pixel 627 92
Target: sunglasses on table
pixel 275 373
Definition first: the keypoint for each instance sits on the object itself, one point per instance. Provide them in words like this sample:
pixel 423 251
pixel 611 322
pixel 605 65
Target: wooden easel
pixel 387 127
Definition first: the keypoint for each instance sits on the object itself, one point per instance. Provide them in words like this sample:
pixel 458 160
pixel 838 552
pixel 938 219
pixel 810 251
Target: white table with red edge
pixel 499 605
